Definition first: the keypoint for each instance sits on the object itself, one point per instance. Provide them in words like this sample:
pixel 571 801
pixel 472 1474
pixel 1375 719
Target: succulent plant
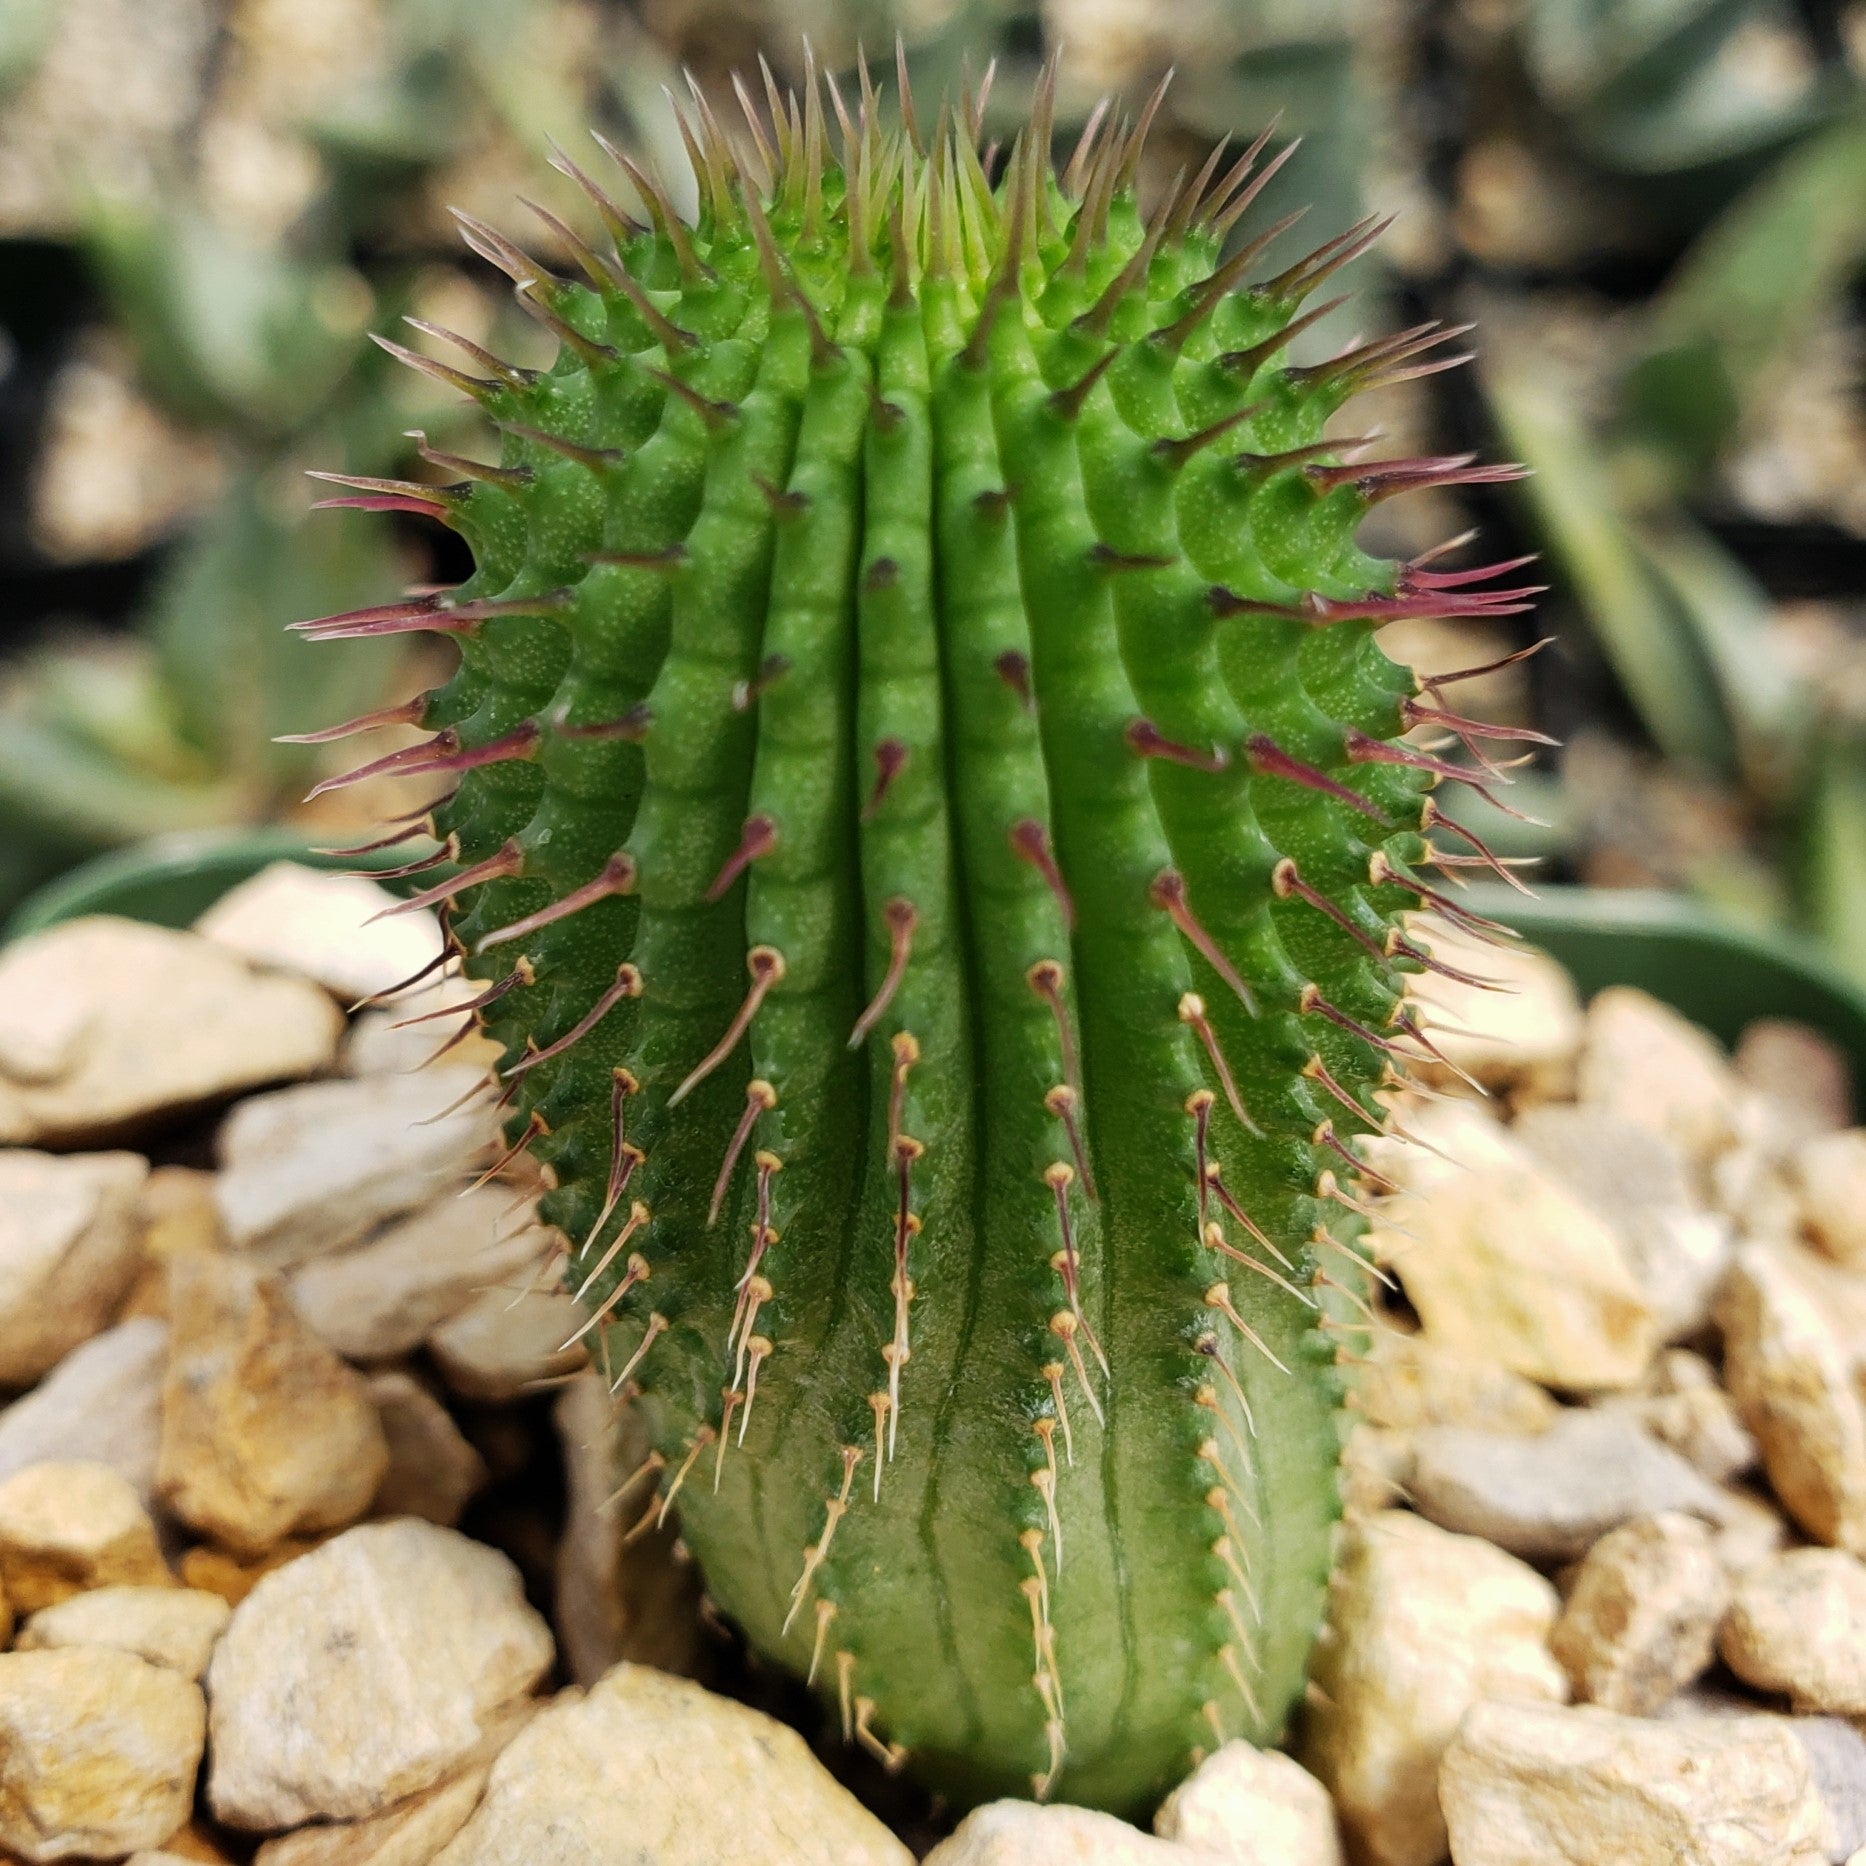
pixel 931 817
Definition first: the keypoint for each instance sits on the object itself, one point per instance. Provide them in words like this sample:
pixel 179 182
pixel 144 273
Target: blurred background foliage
pixel 1654 209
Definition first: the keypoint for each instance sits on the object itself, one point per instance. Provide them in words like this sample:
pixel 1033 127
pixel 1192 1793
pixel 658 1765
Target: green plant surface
pixel 932 827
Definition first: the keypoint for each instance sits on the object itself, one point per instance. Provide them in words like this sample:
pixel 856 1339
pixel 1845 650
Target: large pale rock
pixel 1253 1807
pixel 98 1753
pixel 265 1432
pixel 415 1829
pixel 1411 1381
pixel 1829 1177
pixel 1501 1260
pixel 1422 1625
pixel 107 1025
pixel 653 1768
pixel 1797 1625
pixel 1550 1497
pixel 171 1626
pixel 1530 1785
pixel 323 926
pixel 1791 1380
pixel 1636 1181
pixel 68 1527
pixel 615 1598
pixel 363 1672
pixel 1021 1833
pixel 1524 1036
pixel 383 1298
pixel 1640 1621
pixel 310 1169
pixel 500 1349
pixel 1644 1063
pixel 434 1472
pixel 69 1251
pixel 102 1402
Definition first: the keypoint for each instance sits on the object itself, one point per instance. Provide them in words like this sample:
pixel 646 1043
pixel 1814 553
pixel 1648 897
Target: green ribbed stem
pixel 926 612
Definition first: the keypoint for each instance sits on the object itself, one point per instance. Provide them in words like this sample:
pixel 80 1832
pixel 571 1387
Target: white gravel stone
pixel 102 1402
pixel 1550 1497
pixel 363 1672
pixel 323 926
pixel 1252 1807
pixel 648 1767
pixel 1525 1036
pixel 1532 1785
pixel 385 1297
pixel 497 1349
pixel 310 1169
pixel 108 1025
pixel 1022 1833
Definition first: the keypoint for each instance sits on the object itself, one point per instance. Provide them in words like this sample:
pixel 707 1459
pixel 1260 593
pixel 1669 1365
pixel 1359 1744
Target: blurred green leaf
pixel 1833 852
pixel 25 29
pixel 226 333
pixel 238 677
pixel 1660 661
pixel 1730 616
pixel 1749 293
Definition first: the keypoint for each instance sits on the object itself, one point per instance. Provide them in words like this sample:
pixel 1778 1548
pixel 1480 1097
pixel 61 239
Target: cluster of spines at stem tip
pixel 924 794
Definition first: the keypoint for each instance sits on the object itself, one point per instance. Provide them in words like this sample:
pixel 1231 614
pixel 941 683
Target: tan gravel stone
pixel 314 1168
pixel 68 1527
pixel 1804 1075
pixel 1797 1626
pixel 616 1598
pixel 171 1626
pixel 1640 1621
pixel 652 1767
pixel 108 1025
pixel 1411 1381
pixel 433 1471
pixel 1637 1182
pixel 1643 1062
pixel 265 1432
pixel 364 1672
pixel 1829 1177
pixel 323 926
pixel 1791 1381
pixel 1500 1260
pixel 98 1753
pixel 1422 1624
pixel 1252 1807
pixel 69 1251
pixel 1533 1785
